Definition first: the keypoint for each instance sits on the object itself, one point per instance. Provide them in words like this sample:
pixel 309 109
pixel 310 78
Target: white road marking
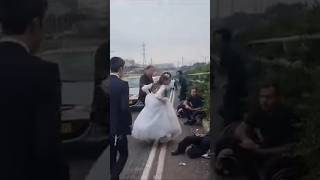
pixel 161 161
pixel 147 168
pixel 163 151
pixel 162 155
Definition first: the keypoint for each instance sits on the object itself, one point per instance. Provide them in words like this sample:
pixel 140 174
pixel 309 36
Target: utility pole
pixel 151 61
pixel 182 61
pixel 143 54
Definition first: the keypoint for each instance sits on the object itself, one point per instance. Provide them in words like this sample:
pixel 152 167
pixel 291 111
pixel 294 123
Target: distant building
pixel 165 66
pixel 130 62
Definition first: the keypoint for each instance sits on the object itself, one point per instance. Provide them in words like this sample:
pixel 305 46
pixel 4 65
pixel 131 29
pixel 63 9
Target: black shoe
pixel 115 178
pixel 176 152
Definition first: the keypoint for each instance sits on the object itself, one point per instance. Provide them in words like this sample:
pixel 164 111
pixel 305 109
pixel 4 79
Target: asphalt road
pixel 162 165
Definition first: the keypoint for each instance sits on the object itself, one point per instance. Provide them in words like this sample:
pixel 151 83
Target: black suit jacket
pixel 29 117
pixel 120 115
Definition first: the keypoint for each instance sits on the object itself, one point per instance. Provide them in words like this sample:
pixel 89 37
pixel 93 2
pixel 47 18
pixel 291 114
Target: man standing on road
pixel 183 86
pixel 120 117
pixel 30 102
pixel 145 79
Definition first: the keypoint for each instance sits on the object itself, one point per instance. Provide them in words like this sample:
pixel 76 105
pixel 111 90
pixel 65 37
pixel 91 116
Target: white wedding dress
pixel 157 120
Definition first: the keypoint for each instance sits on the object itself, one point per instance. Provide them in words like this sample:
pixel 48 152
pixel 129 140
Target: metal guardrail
pixel 172 93
pixel 199 74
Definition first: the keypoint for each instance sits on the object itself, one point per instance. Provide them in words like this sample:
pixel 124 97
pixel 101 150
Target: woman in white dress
pixel 157 120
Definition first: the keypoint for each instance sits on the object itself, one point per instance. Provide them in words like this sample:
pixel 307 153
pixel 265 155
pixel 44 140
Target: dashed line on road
pixel 162 155
pixel 161 160
pixel 147 168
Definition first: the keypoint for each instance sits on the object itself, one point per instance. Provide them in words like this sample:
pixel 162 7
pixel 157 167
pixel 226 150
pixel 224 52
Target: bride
pixel 157 120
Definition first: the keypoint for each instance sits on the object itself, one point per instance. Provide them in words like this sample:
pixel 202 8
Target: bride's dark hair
pixel 164 77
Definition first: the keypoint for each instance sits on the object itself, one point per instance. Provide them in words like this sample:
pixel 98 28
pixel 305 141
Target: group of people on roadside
pixel 157 121
pixel 190 107
pixel 258 143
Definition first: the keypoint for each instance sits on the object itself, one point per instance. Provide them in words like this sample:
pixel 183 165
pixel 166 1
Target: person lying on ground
pixel 196 145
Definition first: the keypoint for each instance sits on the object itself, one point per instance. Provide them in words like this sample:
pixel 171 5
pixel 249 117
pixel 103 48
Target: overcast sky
pixel 170 29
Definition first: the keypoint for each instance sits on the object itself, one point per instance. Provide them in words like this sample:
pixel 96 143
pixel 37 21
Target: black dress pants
pixel 117 164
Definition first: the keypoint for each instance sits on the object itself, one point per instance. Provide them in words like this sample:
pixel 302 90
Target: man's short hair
pixel 148 67
pixel 179 72
pixel 116 63
pixel 16 15
pixel 271 84
pixel 225 34
pixel 195 88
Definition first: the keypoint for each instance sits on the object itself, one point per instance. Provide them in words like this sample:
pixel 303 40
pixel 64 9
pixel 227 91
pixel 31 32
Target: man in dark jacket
pixel 145 79
pixel 120 117
pixel 30 96
pixel 183 86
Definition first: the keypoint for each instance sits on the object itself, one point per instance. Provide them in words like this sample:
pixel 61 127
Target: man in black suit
pixel 120 117
pixel 29 98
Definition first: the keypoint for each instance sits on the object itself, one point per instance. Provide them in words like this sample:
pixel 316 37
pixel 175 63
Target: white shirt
pixel 115 74
pixel 13 40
